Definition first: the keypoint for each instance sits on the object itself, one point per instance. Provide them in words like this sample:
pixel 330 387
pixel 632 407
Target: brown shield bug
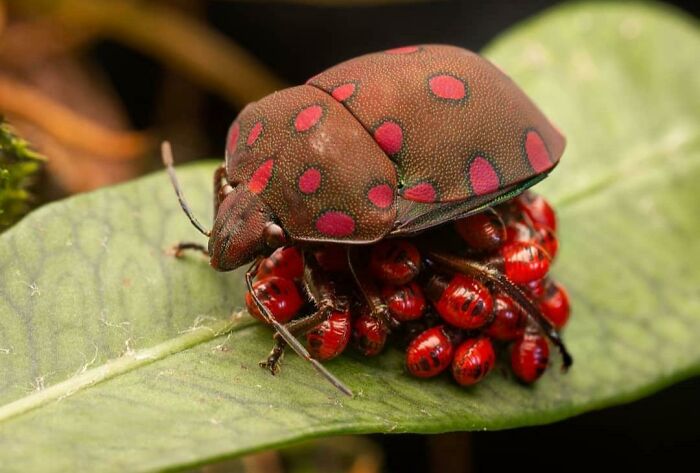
pixel 382 146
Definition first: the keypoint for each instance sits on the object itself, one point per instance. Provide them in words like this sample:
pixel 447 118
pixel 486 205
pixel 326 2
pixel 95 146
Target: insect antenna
pixel 167 154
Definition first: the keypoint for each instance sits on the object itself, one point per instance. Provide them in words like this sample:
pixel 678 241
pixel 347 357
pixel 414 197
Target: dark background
pixel 662 431
pixel 298 41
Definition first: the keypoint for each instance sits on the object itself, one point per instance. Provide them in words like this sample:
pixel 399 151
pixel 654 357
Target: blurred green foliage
pixel 18 162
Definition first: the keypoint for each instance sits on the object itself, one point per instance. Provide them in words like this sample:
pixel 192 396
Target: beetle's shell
pixel 437 129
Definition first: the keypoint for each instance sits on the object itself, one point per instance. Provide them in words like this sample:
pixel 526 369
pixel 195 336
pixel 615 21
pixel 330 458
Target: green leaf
pixel 114 356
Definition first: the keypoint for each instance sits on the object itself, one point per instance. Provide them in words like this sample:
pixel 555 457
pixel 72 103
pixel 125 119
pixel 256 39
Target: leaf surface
pixel 114 356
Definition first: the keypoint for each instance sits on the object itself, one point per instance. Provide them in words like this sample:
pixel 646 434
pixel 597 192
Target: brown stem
pixel 67 126
pixel 26 44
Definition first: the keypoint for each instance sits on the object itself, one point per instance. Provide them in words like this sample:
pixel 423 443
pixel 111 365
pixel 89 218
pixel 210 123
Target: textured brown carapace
pixel 386 144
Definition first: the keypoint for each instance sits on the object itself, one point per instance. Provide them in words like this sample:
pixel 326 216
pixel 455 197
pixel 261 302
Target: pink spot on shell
pixel 308 117
pixel 335 224
pixel 261 177
pixel 447 87
pixel 402 50
pixel 310 181
pixel 233 137
pixel 537 152
pixel 483 176
pixel 423 192
pixel 254 133
pixel 382 196
pixel 343 92
pixel 389 137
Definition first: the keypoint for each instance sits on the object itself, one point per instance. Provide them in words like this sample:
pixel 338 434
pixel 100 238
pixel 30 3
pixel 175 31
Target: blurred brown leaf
pixel 171 36
pixel 70 111
pixel 337 3
pixel 71 115
pixel 30 103
pixel 28 43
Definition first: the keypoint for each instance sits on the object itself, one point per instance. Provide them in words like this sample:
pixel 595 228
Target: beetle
pixel 386 145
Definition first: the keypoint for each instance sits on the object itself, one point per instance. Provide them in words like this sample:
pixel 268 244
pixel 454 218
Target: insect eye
pixel 274 235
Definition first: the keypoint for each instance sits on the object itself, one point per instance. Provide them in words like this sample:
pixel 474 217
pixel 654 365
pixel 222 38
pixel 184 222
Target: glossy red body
pixel 554 304
pixel 517 230
pixel 405 302
pixel 537 233
pixel 369 336
pixel 529 357
pixel 285 262
pixel 280 295
pixel 484 231
pixel 538 209
pixel 395 261
pixel 508 320
pixel 430 353
pixel 465 303
pixel 524 262
pixel 473 360
pixel 546 238
pixel 330 338
pixel 535 289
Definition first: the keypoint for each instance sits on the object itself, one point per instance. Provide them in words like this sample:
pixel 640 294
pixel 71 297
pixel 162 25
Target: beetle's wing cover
pixel 457 127
pixel 414 217
pixel 313 163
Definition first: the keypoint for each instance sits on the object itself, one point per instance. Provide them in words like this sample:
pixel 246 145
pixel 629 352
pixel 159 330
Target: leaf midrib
pixel 124 364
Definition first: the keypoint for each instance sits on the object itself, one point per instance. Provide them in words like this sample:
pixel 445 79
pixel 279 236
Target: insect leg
pixel 486 273
pixel 369 290
pixel 322 292
pixel 181 247
pixel 295 327
pixel 287 336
